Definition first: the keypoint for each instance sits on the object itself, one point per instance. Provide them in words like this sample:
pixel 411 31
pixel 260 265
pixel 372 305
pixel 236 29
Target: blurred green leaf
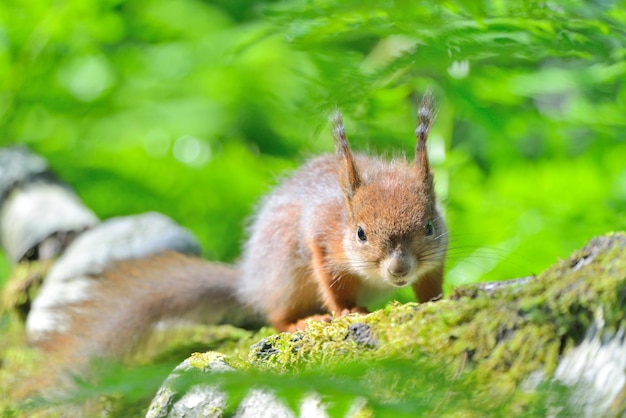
pixel 195 108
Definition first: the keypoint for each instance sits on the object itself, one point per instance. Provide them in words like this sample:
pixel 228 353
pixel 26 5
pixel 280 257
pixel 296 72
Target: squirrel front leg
pixel 338 290
pixel 429 286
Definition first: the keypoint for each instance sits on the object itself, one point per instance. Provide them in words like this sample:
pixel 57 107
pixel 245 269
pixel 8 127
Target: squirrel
pixel 343 229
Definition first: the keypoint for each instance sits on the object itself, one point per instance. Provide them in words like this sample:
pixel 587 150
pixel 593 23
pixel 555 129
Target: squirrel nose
pixel 398 267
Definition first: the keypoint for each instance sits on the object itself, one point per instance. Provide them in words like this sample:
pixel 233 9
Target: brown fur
pixel 132 296
pixel 304 237
pixel 343 229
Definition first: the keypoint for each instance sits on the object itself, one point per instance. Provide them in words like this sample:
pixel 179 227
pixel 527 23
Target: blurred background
pixel 196 108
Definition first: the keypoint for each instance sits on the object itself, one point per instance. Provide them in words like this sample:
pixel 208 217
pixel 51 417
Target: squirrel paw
pixel 356 309
pixel 302 324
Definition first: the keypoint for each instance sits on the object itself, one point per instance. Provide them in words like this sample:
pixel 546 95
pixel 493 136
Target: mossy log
pixel 548 345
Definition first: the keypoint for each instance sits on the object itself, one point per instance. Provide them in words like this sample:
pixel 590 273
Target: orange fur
pixel 343 229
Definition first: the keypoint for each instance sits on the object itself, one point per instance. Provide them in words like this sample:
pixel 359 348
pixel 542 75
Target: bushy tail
pixel 130 298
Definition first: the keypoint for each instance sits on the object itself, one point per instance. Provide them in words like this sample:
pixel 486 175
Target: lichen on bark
pixel 500 339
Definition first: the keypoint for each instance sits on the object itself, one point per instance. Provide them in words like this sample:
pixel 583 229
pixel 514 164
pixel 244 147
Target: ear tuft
pixel 425 118
pixel 349 177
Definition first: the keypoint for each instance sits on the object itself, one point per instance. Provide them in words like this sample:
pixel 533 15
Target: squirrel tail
pixel 133 296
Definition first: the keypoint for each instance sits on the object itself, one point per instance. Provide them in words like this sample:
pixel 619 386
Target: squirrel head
pixel 394 232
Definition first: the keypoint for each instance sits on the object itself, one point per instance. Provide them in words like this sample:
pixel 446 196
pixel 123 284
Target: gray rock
pixel 596 370
pixel 71 277
pixel 35 207
pixel 203 400
pixel 17 166
pixel 208 400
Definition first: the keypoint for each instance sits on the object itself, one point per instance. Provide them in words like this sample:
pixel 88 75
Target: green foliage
pixel 391 388
pixel 192 108
pixel 379 388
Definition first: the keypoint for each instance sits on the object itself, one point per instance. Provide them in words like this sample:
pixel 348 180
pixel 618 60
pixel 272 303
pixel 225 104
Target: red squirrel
pixel 342 229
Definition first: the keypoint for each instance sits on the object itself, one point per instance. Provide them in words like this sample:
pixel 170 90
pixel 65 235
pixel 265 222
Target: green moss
pixel 174 344
pixel 18 365
pixel 203 361
pixel 23 285
pixel 483 350
pixel 497 338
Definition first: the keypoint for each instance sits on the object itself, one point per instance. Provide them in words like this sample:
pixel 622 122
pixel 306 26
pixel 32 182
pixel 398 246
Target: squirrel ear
pixel 425 117
pixel 349 177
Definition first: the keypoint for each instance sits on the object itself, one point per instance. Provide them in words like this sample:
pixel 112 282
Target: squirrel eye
pixel 429 228
pixel 360 234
